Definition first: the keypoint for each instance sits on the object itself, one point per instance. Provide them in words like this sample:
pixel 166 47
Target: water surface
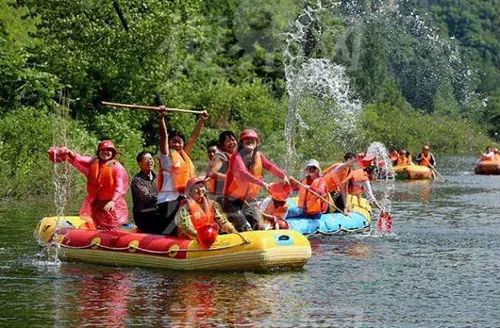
pixel 440 268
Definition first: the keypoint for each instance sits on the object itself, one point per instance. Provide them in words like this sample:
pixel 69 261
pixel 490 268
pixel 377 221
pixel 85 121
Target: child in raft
pixel 197 211
pixel 244 179
pixel 176 168
pixel 358 181
pixel 274 208
pixel 104 207
pixel 310 205
pixel 335 178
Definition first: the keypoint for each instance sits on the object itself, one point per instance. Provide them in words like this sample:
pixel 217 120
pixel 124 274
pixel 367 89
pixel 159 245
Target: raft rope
pixel 94 245
pixel 345 231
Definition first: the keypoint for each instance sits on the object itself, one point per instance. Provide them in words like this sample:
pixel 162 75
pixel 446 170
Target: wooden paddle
pixel 151 108
pixel 436 171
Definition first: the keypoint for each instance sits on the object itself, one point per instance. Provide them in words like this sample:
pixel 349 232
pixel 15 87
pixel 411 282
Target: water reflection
pixel 108 297
pixel 420 190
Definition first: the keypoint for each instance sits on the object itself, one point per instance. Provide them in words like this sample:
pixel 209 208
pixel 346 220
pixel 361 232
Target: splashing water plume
pixel 331 40
pixel 61 177
pixel 318 84
pixel 384 172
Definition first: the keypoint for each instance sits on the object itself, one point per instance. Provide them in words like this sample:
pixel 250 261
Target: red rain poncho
pixel 92 207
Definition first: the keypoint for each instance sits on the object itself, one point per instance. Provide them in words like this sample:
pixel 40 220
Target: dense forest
pixel 422 72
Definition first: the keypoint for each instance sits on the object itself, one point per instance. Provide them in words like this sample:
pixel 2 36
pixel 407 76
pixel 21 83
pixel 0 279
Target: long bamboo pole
pixel 151 108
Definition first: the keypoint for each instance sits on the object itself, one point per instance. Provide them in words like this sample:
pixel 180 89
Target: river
pixel 440 268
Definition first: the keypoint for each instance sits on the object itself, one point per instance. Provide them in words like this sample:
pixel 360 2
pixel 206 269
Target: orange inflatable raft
pixel 488 167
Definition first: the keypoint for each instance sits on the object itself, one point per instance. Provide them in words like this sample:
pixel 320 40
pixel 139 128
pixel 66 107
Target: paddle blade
pixel 384 222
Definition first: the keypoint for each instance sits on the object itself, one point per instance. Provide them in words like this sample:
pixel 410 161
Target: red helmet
pixel 364 161
pixel 194 181
pixel 249 134
pixel 106 145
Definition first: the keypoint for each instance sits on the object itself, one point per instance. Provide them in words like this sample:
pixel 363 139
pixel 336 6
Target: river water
pixel 440 268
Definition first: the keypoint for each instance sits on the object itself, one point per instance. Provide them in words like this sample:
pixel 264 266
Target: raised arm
pixel 163 135
pixel 79 162
pixel 188 147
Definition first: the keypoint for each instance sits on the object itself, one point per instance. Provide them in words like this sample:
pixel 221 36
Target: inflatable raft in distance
pixel 488 168
pixel 251 250
pixel 412 172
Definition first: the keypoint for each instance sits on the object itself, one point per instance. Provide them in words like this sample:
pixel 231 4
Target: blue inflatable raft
pixel 331 223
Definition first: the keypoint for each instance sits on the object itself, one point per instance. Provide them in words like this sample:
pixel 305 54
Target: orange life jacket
pixel 100 181
pixel 182 170
pixel 402 160
pixel 496 157
pixel 243 190
pixel 201 217
pixel 279 212
pixel 356 180
pixel 310 203
pixel 333 179
pixel 426 160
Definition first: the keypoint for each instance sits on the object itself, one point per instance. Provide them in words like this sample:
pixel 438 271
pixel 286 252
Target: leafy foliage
pixel 226 57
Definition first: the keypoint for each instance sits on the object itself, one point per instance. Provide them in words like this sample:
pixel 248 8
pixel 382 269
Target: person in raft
pixel 274 208
pixel 425 157
pixel 488 155
pixel 176 168
pixel 335 178
pixel 217 167
pixel 404 158
pixel 104 207
pixel 310 205
pixel 145 196
pixel 244 181
pixel 197 211
pixel 394 156
pixel 358 181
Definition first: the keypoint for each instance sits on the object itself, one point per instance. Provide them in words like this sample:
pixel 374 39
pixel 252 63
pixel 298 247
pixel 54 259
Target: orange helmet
pixel 249 134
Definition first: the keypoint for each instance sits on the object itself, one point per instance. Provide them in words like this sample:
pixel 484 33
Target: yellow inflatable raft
pixel 412 172
pixel 252 250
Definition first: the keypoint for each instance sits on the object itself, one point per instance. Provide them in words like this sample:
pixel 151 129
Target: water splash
pixel 316 84
pixel 61 177
pixel 327 43
pixel 384 171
